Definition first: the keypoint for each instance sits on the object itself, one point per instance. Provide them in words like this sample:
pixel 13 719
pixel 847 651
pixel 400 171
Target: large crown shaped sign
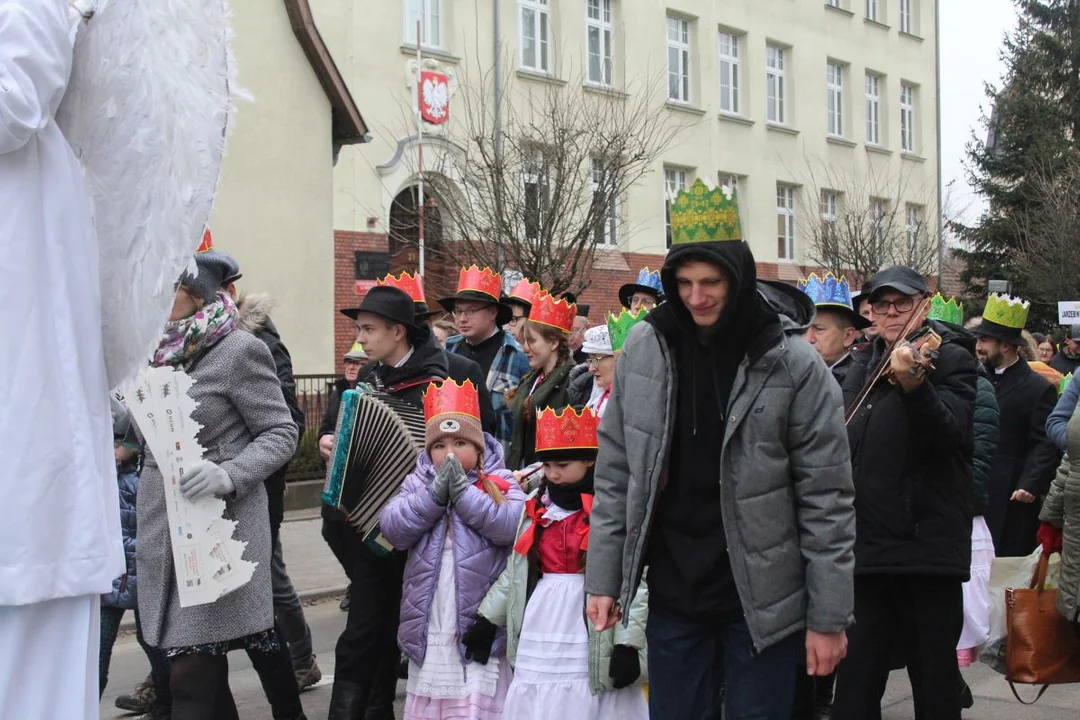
pixel 828 290
pixel 558 314
pixel 448 397
pixel 949 311
pixel 526 291
pixel 701 214
pixel 412 285
pixel 566 429
pixel 1006 311
pixel 619 327
pixel 483 281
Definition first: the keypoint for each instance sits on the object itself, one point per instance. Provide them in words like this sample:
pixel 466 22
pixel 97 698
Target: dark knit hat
pixel 214 269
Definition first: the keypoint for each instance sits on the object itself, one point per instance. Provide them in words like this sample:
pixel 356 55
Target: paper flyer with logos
pixel 207 560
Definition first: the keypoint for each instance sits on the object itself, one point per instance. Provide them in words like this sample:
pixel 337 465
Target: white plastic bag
pixel 1010 572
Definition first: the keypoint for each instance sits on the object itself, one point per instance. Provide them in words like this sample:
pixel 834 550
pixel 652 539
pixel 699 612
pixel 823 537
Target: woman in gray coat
pixel 247 433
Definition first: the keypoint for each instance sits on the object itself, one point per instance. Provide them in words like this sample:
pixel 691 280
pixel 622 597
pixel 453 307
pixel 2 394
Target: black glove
pixel 478 640
pixel 625 666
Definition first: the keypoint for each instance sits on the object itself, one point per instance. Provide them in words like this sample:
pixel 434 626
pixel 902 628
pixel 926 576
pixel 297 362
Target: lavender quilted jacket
pixel 483 533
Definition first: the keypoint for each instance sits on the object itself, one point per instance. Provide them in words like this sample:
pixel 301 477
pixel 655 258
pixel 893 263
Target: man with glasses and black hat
pixel 911 438
pixel 1026 461
pixel 480 314
pixel 405 359
pixel 1067 359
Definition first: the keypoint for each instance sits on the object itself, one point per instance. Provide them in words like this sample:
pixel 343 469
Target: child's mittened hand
pixel 440 486
pixel 478 640
pixel 459 483
pixel 625 666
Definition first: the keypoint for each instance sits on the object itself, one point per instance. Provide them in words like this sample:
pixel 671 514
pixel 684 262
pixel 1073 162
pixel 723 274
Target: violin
pixel 925 346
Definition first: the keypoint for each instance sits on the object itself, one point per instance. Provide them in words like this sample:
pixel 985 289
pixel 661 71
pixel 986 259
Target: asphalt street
pixel 994 701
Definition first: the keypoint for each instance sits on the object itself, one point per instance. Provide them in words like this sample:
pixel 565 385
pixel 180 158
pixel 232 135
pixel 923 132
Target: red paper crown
pixel 559 314
pixel 483 281
pixel 448 397
pixel 526 291
pixel 412 285
pixel 566 429
pixel 207 242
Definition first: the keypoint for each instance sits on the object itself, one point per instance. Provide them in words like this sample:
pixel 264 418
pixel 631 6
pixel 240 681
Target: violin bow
pixel 880 370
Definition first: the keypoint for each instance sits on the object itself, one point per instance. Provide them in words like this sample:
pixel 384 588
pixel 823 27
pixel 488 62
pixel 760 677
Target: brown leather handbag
pixel 1041 647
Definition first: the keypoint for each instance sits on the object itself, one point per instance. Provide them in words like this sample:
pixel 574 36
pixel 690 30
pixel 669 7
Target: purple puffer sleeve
pixel 496 522
pixel 412 512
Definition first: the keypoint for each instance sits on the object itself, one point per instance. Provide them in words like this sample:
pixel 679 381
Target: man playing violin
pixel 910 397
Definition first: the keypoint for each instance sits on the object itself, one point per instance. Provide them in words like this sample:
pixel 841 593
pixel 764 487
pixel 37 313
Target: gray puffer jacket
pixel 787 493
pixel 1061 508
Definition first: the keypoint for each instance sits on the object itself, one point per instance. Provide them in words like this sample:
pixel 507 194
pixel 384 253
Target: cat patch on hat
pixel 449 426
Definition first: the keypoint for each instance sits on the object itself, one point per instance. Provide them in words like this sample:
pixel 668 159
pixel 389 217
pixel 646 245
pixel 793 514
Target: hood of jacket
pixel 794 307
pixel 255 312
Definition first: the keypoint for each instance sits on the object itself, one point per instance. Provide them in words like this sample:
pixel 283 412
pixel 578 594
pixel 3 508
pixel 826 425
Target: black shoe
pixel 141 699
pixel 344 605
pixel 348 701
pixel 967 700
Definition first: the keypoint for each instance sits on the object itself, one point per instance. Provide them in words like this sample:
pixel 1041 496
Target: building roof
pixel 347 123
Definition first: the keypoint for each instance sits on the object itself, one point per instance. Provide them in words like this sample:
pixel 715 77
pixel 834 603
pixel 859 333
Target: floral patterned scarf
pixel 187 339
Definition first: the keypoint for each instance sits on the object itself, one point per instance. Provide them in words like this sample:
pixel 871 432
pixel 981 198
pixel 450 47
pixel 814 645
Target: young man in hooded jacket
pixel 723 467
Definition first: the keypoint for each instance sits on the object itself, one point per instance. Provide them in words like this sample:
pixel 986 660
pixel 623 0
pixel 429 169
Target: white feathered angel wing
pixel 146 112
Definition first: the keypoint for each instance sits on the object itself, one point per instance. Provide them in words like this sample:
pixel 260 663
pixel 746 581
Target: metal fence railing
pixel 313 395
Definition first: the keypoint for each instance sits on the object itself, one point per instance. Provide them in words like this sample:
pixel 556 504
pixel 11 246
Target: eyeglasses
pixel 466 312
pixel 902 305
pixel 518 318
pixel 595 361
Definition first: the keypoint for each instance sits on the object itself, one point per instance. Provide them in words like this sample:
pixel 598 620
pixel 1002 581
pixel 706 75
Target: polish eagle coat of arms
pixel 434 97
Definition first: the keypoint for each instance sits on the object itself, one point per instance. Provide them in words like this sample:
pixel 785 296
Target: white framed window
pixel 427 13
pixel 534 178
pixel 833 3
pixel 730 102
pixel 907 23
pixel 785 222
pixel 873 109
pixel 674 181
pixel 877 220
pixel 907 118
pixel 678 51
pixel 606 228
pixel 830 205
pixel 535 30
pixel 775 85
pixel 913 225
pixel 599 41
pixel 872 10
pixel 834 83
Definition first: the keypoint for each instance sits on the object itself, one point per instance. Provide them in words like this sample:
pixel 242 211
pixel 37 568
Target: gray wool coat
pixel 787 492
pixel 248 431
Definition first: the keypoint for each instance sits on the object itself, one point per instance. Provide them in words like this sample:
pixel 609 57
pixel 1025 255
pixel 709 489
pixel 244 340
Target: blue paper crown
pixel 828 291
pixel 650 279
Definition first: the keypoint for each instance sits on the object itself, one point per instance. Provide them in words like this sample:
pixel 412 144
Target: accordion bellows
pixel 378 438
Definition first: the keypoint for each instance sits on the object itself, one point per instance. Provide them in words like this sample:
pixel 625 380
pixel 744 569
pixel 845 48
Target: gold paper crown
pixel 949 311
pixel 701 214
pixel 1006 311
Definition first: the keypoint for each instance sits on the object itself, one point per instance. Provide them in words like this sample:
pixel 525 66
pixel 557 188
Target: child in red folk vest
pixel 562 667
pixel 456 515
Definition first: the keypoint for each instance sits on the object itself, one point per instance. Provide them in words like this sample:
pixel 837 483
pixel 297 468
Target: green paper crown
pixel 619 327
pixel 1064 383
pixel 946 311
pixel 1007 311
pixel 703 215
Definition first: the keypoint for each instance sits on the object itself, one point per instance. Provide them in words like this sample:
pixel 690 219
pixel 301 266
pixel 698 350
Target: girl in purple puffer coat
pixel 457 515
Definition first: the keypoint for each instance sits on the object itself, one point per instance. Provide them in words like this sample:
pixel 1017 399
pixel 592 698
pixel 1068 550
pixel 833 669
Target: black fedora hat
pixel 425 313
pixel 388 303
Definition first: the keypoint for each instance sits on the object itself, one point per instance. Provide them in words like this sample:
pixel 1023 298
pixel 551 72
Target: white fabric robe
pixel 59 511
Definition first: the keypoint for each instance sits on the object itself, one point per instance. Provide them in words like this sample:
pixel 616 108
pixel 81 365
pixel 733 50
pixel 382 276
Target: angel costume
pixel 73 171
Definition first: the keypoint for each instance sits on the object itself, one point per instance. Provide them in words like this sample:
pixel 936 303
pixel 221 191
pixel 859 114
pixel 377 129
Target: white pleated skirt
pixel 551 678
pixel 977 603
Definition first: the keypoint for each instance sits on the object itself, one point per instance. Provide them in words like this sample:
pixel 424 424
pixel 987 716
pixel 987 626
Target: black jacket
pixel 1025 458
pixel 840 369
pixel 581 385
pixel 408 382
pixel 911 456
pixel 1064 364
pixel 333 405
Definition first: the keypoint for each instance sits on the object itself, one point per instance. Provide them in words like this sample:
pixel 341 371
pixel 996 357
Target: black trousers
pixel 369 640
pixel 922 614
pixel 336 532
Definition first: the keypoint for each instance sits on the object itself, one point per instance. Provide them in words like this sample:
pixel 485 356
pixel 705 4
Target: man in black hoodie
pixel 911 449
pixel 723 468
pixel 406 359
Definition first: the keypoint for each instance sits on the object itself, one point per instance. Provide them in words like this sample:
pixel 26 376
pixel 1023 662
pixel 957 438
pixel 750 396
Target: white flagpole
pixel 420 131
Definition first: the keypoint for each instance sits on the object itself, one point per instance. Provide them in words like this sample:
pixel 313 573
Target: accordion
pixel 376 443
